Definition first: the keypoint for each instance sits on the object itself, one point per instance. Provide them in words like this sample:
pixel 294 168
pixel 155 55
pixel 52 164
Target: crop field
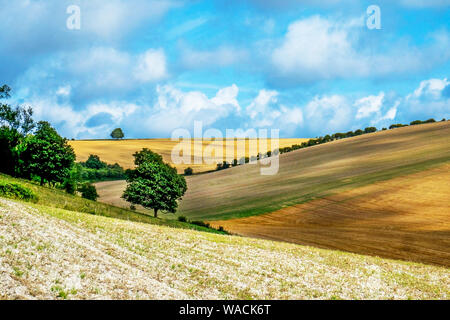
pixel 122 151
pixel 316 172
pixel 403 218
pixel 380 194
pixel 52 253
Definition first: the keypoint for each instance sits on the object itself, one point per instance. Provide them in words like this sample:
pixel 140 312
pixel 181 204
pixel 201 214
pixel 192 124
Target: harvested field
pixel 50 253
pixel 122 151
pixel 316 172
pixel 403 218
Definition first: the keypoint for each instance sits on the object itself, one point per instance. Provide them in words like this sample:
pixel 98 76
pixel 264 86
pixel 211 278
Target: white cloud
pixel 316 48
pixel 151 66
pixel 369 105
pixel 431 88
pixel 427 100
pixel 328 114
pixel 177 109
pixel 260 106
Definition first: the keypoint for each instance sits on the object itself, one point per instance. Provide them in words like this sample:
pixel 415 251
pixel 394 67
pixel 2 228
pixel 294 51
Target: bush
pixel 188 171
pixel 182 219
pixel 88 191
pixel 70 186
pixel 201 224
pixel 16 191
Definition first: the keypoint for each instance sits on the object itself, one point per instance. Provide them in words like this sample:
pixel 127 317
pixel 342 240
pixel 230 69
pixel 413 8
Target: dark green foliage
pixel 416 122
pixel 182 219
pixel 188 171
pixel 146 155
pixel 16 191
pixel 96 170
pixel 223 165
pixel 154 184
pixel 117 133
pixel 201 224
pixel 397 125
pixel 88 191
pixel 47 155
pixel 15 124
pixel 94 162
pixel 70 185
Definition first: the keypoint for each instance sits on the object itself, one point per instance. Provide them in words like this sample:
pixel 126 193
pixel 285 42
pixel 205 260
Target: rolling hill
pixel 121 151
pixel 382 194
pixel 52 253
pixel 317 171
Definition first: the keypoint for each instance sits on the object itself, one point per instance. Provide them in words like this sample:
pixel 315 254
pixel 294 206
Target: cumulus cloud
pixel 429 99
pixel 151 66
pixel 316 48
pixel 177 109
pixel 325 114
pixel 369 105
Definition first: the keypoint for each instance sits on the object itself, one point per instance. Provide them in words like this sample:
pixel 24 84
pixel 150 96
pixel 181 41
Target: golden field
pixel 382 194
pixel 121 151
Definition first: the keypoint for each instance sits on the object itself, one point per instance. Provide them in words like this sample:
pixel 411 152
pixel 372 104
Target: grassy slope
pixel 54 253
pixel 317 172
pixel 59 199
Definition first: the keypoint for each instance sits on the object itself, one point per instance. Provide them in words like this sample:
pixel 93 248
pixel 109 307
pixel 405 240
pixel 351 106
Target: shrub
pixel 188 171
pixel 16 191
pixel 182 219
pixel 70 186
pixel 88 191
pixel 201 224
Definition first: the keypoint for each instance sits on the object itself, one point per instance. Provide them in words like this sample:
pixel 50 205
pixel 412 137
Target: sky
pixel 305 67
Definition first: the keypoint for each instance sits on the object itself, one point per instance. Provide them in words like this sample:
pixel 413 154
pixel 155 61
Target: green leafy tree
pixel 154 184
pixel 94 162
pixel 15 124
pixel 117 134
pixel 47 155
pixel 146 155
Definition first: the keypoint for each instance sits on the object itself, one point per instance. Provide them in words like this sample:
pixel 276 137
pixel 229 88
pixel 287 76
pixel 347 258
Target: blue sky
pixel 152 66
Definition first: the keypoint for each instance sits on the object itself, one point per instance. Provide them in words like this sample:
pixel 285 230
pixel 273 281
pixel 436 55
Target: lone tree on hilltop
pixel 154 184
pixel 117 134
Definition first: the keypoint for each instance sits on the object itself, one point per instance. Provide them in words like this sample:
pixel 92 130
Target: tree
pixel 15 124
pixel 146 155
pixel 117 133
pixel 94 162
pixel 47 155
pixel 188 171
pixel 154 184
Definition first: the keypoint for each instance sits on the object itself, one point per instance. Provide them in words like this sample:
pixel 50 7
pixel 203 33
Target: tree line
pixel 311 142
